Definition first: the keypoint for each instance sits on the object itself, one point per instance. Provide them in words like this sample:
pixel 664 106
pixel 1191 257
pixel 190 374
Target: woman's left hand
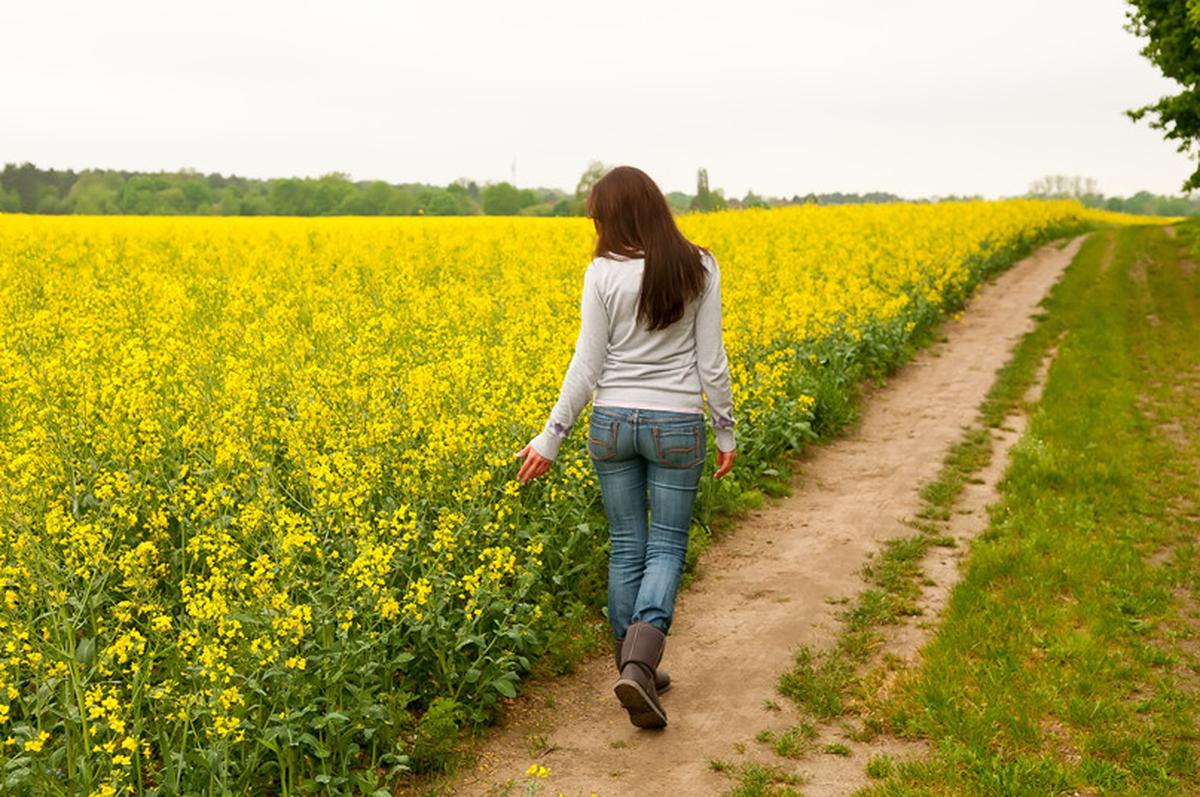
pixel 533 466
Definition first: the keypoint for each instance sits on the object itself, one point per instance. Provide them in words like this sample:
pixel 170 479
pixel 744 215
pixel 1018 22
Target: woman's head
pixel 633 219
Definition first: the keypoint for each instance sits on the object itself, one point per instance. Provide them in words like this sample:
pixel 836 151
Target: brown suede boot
pixel 640 654
pixel 662 681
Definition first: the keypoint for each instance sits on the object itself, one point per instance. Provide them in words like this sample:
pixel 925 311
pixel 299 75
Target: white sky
pixel 921 98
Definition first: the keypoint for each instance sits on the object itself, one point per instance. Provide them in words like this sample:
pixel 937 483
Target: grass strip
pixel 1068 660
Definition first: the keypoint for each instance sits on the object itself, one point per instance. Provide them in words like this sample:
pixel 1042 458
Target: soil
pixel 779 580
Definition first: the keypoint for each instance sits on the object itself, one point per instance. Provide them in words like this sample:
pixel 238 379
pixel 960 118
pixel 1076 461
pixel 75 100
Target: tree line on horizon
pixel 1143 203
pixel 26 188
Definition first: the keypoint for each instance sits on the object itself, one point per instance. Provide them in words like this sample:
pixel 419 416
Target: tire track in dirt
pixel 774 582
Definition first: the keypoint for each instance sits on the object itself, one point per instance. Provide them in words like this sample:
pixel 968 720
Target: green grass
pixel 880 766
pixel 792 743
pixel 759 780
pixel 1068 659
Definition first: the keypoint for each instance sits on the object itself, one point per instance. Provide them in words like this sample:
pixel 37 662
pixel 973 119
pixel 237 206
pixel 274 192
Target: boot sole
pixel 642 711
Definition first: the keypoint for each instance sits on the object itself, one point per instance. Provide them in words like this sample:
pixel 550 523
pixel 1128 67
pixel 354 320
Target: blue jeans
pixel 646 460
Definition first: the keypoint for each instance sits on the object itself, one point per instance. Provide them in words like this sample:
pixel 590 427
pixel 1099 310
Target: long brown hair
pixel 631 214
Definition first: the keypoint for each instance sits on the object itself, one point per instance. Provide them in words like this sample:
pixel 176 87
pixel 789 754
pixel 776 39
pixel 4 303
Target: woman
pixel 649 344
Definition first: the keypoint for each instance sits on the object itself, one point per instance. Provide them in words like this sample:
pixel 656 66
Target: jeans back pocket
pixel 679 445
pixel 602 438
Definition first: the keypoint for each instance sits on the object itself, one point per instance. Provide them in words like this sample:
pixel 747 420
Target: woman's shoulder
pixel 608 265
pixel 603 271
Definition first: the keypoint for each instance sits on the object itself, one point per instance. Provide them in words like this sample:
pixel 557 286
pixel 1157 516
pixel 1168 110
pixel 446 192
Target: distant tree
pixel 24 181
pixel 95 192
pixel 594 171
pixel 537 209
pixel 140 193
pixel 468 185
pixel 197 196
pixel 369 201
pixel 330 191
pixel 400 202
pixel 1172 31
pixel 1061 185
pixel 229 202
pixel 171 201
pixel 753 200
pixel 679 201
pixel 703 200
pixel 448 203
pixel 255 204
pixel 291 197
pixel 49 201
pixel 501 199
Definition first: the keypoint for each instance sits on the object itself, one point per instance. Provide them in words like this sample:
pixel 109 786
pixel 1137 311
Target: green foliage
pixel 753 200
pixel 880 766
pixel 28 189
pixel 594 172
pixel 435 736
pixel 707 199
pixel 505 199
pixel 758 780
pixel 95 192
pixel 679 201
pixel 568 207
pixel 1172 29
pixel 579 635
pixel 1143 203
pixel 792 743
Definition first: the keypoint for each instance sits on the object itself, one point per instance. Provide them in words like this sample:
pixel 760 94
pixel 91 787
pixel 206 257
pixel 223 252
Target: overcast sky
pixel 920 98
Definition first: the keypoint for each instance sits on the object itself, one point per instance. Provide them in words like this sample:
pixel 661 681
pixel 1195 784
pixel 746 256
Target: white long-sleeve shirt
pixel 626 365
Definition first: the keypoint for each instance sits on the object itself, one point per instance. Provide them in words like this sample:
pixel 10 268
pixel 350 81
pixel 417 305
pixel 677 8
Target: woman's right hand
pixel 533 466
pixel 724 462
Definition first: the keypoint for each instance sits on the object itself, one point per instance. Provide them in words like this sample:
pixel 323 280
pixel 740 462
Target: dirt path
pixel 771 585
